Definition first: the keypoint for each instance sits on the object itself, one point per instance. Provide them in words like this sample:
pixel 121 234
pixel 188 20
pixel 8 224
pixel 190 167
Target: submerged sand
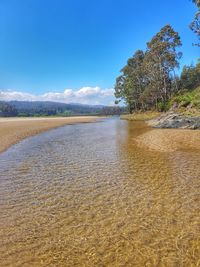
pixel 169 140
pixel 13 130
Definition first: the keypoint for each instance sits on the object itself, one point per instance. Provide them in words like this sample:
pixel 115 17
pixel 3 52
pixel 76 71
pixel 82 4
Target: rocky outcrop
pixel 174 120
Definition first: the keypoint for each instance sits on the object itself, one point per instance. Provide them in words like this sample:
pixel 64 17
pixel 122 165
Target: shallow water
pixel 87 195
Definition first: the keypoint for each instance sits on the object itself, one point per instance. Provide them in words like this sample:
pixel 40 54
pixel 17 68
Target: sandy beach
pixel 169 140
pixel 13 130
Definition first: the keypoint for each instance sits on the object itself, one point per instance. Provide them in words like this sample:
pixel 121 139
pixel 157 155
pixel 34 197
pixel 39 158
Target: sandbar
pixel 170 140
pixel 13 130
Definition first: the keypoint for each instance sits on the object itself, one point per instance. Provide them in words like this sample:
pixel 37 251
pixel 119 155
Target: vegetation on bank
pixel 187 102
pixel 141 116
pixel 189 99
pixel 149 80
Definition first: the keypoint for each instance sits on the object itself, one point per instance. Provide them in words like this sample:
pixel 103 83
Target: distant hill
pixel 7 110
pixel 47 108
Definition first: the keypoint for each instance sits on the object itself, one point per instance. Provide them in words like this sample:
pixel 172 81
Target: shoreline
pixel 167 132
pixel 14 130
pixel 171 119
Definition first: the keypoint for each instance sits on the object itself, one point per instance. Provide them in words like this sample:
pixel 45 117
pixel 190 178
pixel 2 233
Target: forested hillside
pixel 7 110
pixel 42 108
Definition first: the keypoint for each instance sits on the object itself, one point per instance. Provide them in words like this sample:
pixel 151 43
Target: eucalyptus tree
pixel 195 25
pixel 130 85
pixel 197 2
pixel 160 61
pixel 149 77
pixel 123 92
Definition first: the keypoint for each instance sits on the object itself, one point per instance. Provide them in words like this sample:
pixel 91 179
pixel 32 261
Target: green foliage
pixel 113 110
pixel 148 78
pixel 46 108
pixel 130 84
pixel 190 77
pixel 187 98
pixel 195 25
pixel 163 107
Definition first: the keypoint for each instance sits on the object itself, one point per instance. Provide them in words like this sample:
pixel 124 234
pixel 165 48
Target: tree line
pixel 148 81
pixel 39 109
pixel 7 110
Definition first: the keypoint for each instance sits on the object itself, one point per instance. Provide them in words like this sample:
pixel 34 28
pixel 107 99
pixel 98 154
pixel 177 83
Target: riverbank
pixel 168 132
pixel 141 116
pixel 13 130
pixel 166 120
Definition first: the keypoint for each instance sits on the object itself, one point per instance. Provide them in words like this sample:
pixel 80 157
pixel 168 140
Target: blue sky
pixel 79 46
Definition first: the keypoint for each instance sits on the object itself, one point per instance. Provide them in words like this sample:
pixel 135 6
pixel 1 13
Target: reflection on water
pixel 86 195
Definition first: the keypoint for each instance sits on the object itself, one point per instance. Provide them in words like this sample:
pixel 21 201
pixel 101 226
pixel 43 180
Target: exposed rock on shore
pixel 174 120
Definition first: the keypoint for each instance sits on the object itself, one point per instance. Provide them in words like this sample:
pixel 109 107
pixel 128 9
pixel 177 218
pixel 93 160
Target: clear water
pixel 87 195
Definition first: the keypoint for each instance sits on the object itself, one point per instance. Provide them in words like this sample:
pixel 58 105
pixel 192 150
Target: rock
pixel 173 120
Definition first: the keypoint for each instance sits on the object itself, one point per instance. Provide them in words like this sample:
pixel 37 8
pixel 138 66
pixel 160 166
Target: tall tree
pixel 146 80
pixel 195 25
pixel 197 2
pixel 160 62
pixel 130 84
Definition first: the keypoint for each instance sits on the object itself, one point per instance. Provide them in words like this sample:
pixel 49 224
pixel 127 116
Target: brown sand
pixel 169 140
pixel 13 130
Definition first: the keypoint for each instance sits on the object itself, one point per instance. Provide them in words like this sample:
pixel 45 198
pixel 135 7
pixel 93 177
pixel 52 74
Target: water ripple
pixel 86 195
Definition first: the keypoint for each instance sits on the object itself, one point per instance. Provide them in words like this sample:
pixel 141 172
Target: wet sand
pixel 169 140
pixel 13 130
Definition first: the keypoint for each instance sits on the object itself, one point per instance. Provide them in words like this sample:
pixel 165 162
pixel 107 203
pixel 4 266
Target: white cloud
pixel 85 95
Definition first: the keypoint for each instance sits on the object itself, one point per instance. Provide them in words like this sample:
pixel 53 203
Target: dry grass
pixel 189 112
pixel 141 116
